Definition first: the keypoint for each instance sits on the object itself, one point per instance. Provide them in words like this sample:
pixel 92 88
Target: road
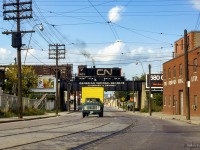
pixel 117 130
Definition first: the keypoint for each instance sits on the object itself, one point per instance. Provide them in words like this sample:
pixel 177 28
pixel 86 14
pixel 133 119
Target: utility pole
pixel 20 10
pixel 186 81
pixel 149 90
pixel 69 85
pixel 133 94
pixel 56 51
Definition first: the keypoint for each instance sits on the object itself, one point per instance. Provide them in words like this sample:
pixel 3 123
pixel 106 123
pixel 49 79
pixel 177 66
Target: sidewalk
pixel 160 115
pixel 26 118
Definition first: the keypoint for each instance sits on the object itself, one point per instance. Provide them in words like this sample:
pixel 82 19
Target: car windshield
pixel 92 100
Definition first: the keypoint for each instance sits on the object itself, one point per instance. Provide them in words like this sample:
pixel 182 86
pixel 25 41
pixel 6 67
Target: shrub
pixel 7 114
pixel 32 111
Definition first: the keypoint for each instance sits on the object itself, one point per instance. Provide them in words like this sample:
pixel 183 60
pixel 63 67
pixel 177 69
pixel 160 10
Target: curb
pixel 27 119
pixel 169 118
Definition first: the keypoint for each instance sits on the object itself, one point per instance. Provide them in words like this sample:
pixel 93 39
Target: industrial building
pixel 174 80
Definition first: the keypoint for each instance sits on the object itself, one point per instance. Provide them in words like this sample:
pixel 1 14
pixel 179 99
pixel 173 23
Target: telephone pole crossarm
pixel 13 8
pixel 11 32
pixel 16 11
pixel 56 51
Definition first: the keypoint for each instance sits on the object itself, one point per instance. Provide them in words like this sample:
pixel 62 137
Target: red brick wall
pixel 172 85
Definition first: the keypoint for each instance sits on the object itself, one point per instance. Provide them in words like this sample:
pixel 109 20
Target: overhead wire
pixel 72 42
pixel 109 24
pixel 50 31
pixel 197 22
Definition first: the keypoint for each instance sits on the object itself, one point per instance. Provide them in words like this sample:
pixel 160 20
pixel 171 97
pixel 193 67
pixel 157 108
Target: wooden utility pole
pixel 149 90
pixel 133 94
pixel 186 81
pixel 18 8
pixel 56 51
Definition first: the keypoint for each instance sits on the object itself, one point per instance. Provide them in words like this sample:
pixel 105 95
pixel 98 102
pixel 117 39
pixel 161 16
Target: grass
pixel 33 112
pixel 7 114
pixel 26 112
pixel 154 109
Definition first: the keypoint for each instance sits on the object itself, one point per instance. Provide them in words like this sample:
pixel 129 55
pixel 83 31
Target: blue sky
pixel 129 34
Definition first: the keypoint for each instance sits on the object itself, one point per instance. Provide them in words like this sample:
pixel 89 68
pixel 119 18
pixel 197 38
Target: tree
pixel 122 94
pixel 29 80
pixel 143 77
pixel 158 99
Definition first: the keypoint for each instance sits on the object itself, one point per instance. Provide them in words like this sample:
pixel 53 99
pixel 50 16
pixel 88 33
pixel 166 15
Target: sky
pixel 129 34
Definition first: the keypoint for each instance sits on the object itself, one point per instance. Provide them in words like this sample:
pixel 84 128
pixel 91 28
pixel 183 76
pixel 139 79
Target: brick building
pixel 174 101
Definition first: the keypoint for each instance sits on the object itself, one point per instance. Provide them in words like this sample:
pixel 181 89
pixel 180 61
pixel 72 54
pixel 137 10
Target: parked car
pixel 92 106
pixel 79 107
pixel 130 106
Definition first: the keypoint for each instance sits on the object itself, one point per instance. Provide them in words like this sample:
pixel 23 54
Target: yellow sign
pixel 123 99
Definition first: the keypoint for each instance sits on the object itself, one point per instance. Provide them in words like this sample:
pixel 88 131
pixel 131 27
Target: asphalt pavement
pixel 159 115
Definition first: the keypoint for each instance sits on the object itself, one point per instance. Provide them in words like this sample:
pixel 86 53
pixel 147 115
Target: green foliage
pixel 29 79
pixel 143 77
pixel 122 94
pixel 145 110
pixel 156 103
pixel 32 112
pixel 158 99
pixel 7 114
pixel 27 112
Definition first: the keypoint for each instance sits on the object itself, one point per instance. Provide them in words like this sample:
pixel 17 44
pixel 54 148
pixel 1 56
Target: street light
pixel 141 65
pixel 41 29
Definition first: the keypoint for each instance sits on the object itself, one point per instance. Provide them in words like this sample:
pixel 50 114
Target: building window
pixel 169 73
pixel 165 97
pixel 169 100
pixel 174 71
pixel 188 41
pixel 182 44
pixel 164 74
pixel 176 47
pixel 195 102
pixel 174 100
pixel 195 65
pixel 180 70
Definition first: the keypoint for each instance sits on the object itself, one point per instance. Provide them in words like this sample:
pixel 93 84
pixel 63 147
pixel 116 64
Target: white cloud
pixel 4 53
pixel 140 53
pixel 30 51
pixel 110 52
pixel 114 14
pixel 196 4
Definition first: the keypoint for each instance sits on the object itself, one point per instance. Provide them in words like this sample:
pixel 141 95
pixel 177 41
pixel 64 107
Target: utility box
pixel 16 40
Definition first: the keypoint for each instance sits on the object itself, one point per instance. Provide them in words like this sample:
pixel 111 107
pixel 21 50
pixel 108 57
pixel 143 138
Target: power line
pixel 197 22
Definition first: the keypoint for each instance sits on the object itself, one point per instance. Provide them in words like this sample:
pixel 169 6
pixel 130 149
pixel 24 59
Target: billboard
pixel 156 80
pixel 99 72
pixel 46 81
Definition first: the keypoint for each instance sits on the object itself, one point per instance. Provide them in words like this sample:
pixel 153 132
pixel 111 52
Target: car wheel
pixel 101 114
pixel 84 115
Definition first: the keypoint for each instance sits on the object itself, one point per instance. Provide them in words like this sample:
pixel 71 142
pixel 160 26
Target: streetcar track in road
pixel 47 128
pixel 93 128
pixel 60 136
pixel 38 125
pixel 101 139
